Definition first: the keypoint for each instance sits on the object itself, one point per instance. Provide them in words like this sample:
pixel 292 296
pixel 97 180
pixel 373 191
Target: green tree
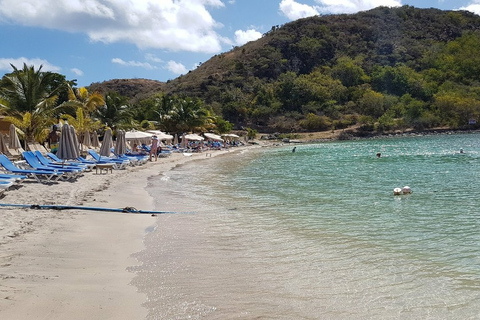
pixel 372 104
pixel 115 112
pixel 189 114
pixel 81 98
pixel 30 99
pixel 349 72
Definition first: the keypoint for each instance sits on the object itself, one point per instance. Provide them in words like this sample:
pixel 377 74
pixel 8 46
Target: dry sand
pixel 72 264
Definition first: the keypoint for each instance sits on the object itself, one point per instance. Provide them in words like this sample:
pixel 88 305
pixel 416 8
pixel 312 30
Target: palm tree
pixel 85 104
pixel 81 98
pixel 189 114
pixel 29 98
pixel 114 112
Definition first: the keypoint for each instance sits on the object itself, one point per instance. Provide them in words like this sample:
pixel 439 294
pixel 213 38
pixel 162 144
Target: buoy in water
pixel 406 190
pixel 397 191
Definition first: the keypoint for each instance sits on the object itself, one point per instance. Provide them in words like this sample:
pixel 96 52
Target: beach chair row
pixel 49 168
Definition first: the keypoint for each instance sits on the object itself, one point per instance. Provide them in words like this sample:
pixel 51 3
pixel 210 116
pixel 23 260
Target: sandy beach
pixel 72 264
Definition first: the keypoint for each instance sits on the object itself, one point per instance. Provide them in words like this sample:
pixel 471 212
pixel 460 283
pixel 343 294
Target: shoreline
pixel 73 263
pixel 346 134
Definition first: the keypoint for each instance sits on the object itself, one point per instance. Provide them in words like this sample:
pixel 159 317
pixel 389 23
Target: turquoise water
pixel 318 234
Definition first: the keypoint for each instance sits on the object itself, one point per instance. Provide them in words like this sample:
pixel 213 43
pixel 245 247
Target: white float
pixel 406 190
pixel 397 191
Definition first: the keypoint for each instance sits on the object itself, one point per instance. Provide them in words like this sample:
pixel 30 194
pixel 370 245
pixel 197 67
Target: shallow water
pixel 318 234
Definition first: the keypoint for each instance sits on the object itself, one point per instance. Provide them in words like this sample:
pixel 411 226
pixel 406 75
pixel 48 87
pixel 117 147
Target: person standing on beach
pixel 153 148
pixel 53 139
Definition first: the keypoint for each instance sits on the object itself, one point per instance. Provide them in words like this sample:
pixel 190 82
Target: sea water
pixel 318 233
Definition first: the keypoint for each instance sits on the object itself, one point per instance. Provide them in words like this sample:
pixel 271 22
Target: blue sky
pixel 98 40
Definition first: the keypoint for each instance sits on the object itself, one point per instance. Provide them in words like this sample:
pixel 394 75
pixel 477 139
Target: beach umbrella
pixel 231 135
pixel 138 137
pixel 134 134
pixel 95 142
pixel 183 144
pixel 86 141
pixel 213 136
pixel 3 145
pixel 194 137
pixel 13 141
pixel 120 144
pixel 175 140
pixel 76 144
pixel 106 144
pixel 67 146
pixel 161 135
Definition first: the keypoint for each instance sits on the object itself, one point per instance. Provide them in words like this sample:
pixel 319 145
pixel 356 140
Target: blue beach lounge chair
pixel 62 164
pixel 117 163
pixel 15 177
pixel 41 176
pixel 32 161
pixel 76 162
pixel 5 184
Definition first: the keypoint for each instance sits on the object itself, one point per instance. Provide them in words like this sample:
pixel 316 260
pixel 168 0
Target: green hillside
pixel 385 69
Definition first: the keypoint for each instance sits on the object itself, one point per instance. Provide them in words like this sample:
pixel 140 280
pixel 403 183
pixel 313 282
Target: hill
pixel 134 89
pixel 384 69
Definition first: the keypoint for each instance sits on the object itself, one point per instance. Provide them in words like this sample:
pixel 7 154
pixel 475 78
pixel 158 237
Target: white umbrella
pixel 106 144
pixel 120 144
pixel 231 135
pixel 138 137
pixel 161 135
pixel 213 136
pixel 13 141
pixel 134 134
pixel 193 137
pixel 175 140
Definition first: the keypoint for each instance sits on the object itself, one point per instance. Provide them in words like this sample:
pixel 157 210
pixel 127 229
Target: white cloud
pixel 294 10
pixel 132 63
pixel 18 63
pixel 242 37
pixel 176 68
pixel 352 6
pixel 166 24
pixel 77 71
pixel 474 7
pixel 153 58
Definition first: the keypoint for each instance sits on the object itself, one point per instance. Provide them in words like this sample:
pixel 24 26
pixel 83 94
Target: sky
pixel 98 40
